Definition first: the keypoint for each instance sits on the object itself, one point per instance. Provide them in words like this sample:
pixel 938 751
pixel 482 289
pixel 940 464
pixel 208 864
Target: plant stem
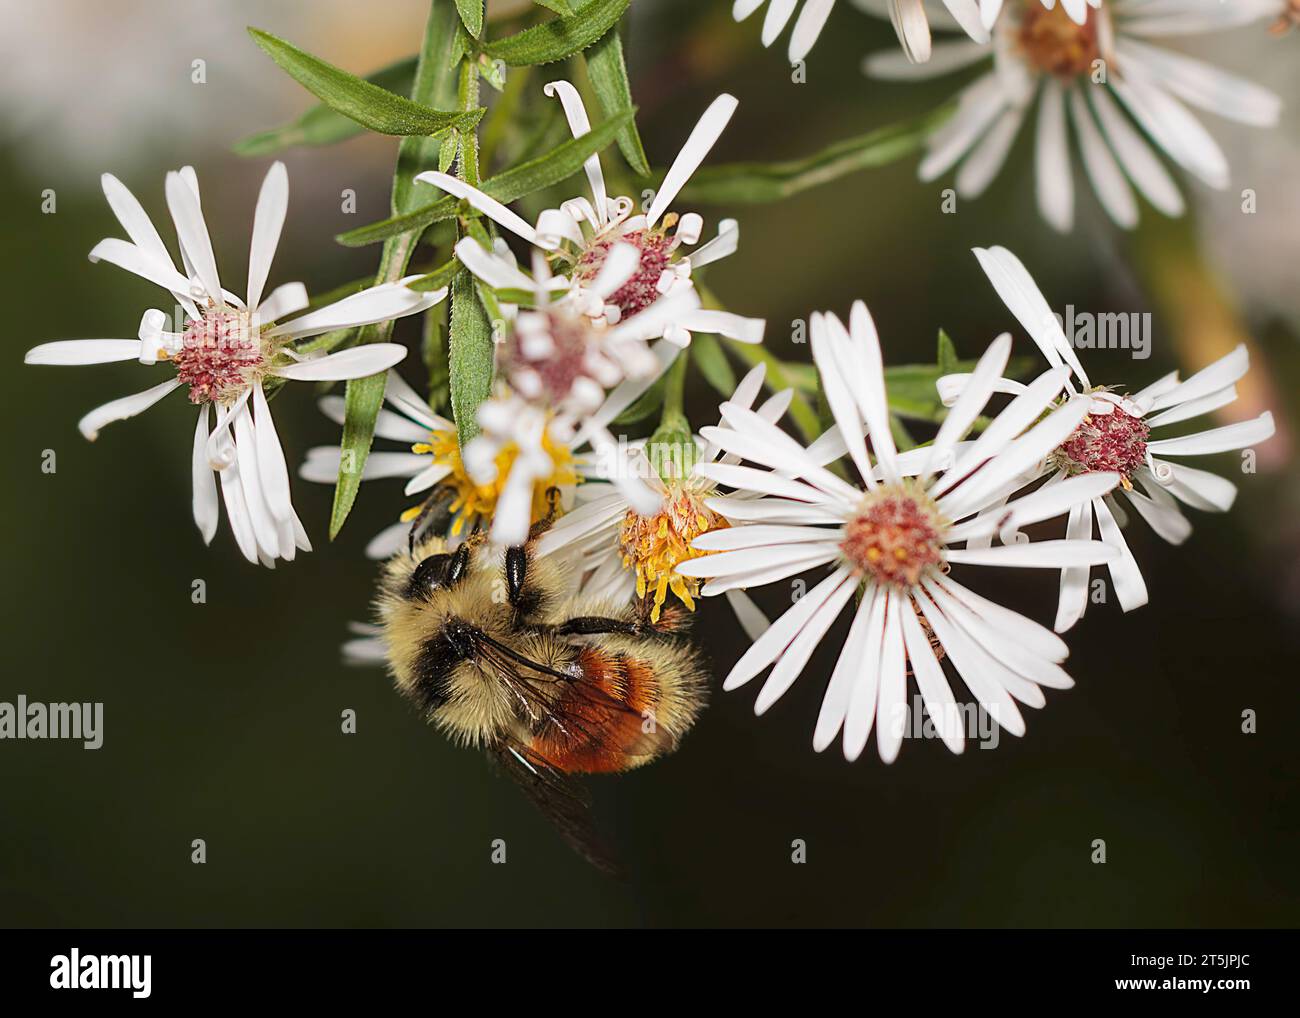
pixel 674 392
pixel 802 412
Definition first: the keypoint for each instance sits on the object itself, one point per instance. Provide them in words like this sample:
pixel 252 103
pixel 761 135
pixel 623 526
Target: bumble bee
pixel 495 653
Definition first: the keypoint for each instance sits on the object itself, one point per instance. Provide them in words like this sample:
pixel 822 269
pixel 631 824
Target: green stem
pixel 674 393
pixel 802 412
pixel 467 94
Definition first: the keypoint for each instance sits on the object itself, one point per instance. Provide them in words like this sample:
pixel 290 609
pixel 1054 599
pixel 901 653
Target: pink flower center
pixel 896 536
pixel 642 290
pixel 1053 43
pixel 559 369
pixel 1106 442
pixel 219 354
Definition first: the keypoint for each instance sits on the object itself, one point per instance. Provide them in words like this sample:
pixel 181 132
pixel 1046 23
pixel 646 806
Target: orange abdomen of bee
pixel 613 729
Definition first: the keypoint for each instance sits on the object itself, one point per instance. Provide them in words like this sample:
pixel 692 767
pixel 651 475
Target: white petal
pixel 286 299
pixel 576 114
pixel 809 26
pixel 1055 187
pixel 268 221
pixel 1073 599
pixel 137 261
pixel 748 614
pixel 205 484
pixel 935 691
pixel 355 362
pixel 1130 588
pixel 747 559
pixel 183 204
pixel 272 470
pixel 489 206
pixel 121 409
pixel 697 146
pixel 1211 379
pixel 1135 155
pixel 1107 179
pixel 1036 554
pixel 795 657
pixel 757 536
pixel 768 647
pixel 912 28
pixel 84 351
pixel 1231 436
pixel 139 227
pixel 853 660
pixel 378 303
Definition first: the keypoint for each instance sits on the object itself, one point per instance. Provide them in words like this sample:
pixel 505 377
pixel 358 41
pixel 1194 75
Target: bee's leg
pixel 427 509
pixel 595 625
pixel 552 510
pixel 516 571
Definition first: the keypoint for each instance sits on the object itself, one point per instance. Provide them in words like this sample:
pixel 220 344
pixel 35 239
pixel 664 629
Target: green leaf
pixel 741 183
pixel 646 405
pixel 320 125
pixel 561 7
pixel 438 278
pixel 557 165
pixel 434 350
pixel 713 364
pixel 608 73
pixel 470 355
pixel 369 105
pixel 364 397
pixel 471 16
pixel 947 356
pixel 560 38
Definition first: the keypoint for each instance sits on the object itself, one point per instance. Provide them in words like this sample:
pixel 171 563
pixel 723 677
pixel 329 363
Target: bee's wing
pixel 561 799
pixel 572 711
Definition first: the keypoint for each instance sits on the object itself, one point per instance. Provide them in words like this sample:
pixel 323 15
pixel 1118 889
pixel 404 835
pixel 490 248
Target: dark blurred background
pixel 222 720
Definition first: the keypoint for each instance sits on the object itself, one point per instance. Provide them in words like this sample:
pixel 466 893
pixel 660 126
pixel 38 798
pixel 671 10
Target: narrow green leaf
pixel 561 7
pixel 739 183
pixel 434 350
pixel 469 356
pixel 364 397
pixel 560 38
pixel 557 165
pixel 320 125
pixel 608 73
pixel 644 406
pixel 369 105
pixel 947 356
pixel 437 279
pixel 471 16
pixel 713 363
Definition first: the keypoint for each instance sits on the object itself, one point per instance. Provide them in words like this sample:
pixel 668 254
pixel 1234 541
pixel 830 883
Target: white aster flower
pixel 1116 438
pixel 227 353
pixel 624 551
pixel 1075 71
pixel 894 538
pixel 587 240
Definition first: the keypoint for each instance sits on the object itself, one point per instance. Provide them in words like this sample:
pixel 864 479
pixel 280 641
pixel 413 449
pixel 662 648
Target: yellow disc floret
pixel 473 503
pixel 655 545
